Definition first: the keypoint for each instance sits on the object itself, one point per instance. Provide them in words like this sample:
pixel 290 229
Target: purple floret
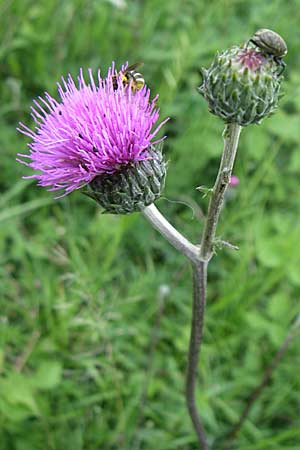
pixel 94 129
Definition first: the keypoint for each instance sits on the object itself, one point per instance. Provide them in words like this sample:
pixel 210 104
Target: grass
pixel 92 355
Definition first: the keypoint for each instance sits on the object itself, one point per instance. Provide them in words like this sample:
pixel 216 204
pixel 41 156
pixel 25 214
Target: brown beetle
pixel 271 43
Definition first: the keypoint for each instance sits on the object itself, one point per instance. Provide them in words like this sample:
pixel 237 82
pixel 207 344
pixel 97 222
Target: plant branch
pixel 199 286
pixel 200 258
pixel 181 243
pixel 231 138
pixel 264 382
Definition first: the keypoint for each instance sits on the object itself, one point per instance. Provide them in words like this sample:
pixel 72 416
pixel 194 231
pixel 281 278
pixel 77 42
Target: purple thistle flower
pixel 94 129
pixel 250 58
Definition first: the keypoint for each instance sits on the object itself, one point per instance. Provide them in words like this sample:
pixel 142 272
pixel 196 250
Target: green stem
pixel 231 138
pixel 200 257
pixel 199 301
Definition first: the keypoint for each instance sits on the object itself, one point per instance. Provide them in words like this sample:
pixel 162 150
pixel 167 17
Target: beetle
pixel 271 43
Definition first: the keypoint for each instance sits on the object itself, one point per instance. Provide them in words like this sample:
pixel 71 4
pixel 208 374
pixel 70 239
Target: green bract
pixel 241 86
pixel 134 187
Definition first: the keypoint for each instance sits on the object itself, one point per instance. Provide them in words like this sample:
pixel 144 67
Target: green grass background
pixel 95 309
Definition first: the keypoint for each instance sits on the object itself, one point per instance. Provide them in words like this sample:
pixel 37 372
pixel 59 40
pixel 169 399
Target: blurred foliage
pixel 92 355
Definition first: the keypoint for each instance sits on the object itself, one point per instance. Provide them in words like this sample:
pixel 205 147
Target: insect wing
pixel 133 67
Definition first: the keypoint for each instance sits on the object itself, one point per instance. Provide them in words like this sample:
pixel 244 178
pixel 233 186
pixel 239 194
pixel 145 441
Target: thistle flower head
pixel 94 129
pixel 242 85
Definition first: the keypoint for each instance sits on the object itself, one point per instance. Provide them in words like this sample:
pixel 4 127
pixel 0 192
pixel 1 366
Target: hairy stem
pixel 200 258
pixel 181 243
pixel 231 138
pixel 199 300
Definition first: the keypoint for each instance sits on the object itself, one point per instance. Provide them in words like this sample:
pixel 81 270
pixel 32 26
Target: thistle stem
pixel 200 257
pixel 191 251
pixel 199 302
pixel 231 136
pixel 181 243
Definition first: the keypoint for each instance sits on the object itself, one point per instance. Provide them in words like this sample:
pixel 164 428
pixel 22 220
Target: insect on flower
pixel 91 130
pixel 272 44
pixel 130 77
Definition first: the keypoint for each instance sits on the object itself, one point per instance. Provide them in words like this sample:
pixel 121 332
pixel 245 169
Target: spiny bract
pixel 241 86
pixel 133 187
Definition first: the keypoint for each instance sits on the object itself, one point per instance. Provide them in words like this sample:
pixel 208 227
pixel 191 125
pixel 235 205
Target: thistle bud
pixel 133 187
pixel 242 85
